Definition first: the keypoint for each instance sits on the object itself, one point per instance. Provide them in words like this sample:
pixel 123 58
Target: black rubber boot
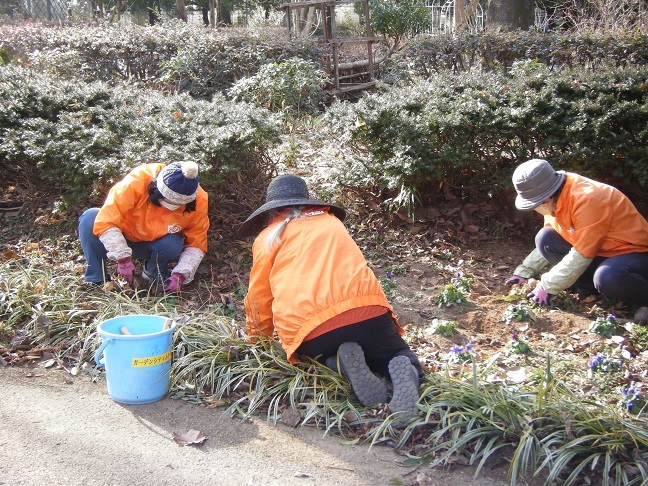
pixel 369 389
pixel 404 378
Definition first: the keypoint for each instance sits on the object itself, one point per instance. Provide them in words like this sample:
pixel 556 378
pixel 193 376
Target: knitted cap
pixel 535 181
pixel 178 182
pixel 284 191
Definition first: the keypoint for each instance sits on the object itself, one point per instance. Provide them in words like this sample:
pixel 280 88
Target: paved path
pixel 57 433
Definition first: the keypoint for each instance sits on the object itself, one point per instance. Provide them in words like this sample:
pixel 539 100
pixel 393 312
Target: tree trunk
pixel 509 15
pixel 98 9
pixel 115 12
pixel 212 13
pixel 462 13
pixel 219 12
pixel 181 10
pixel 458 13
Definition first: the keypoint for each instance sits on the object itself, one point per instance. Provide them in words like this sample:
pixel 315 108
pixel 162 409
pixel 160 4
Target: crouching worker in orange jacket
pixel 311 284
pixel 158 214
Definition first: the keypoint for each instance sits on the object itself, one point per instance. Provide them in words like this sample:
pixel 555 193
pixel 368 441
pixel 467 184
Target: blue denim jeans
pixel 157 254
pixel 623 277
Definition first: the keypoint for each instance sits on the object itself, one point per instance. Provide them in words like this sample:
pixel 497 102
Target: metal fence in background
pixel 54 10
pixel 441 11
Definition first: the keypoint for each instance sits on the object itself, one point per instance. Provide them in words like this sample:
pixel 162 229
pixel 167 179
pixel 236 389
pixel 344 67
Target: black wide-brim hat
pixel 283 191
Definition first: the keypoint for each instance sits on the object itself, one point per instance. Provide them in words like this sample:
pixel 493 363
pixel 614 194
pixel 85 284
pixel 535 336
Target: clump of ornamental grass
pixel 219 364
pixel 546 430
pixel 46 306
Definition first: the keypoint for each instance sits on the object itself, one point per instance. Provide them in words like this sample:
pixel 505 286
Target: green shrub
pixel 83 136
pixel 294 85
pixel 172 56
pixel 399 20
pixel 428 55
pixel 468 131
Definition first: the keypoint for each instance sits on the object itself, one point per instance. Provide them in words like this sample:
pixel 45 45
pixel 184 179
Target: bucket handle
pixel 97 357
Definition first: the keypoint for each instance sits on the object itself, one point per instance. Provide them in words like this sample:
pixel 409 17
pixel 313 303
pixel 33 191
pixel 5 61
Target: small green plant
pixel 454 293
pixel 443 327
pixel 460 354
pixel 604 364
pixel 388 284
pixel 639 336
pixel 604 325
pixel 631 400
pixel 518 312
pixel 395 270
pixel 518 345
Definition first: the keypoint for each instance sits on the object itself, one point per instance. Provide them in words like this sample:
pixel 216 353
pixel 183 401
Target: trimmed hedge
pixel 172 56
pixel 468 131
pixel 428 55
pixel 83 137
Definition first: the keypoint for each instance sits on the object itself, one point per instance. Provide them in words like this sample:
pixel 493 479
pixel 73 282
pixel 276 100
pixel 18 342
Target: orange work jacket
pixel 317 273
pixel 598 219
pixel 127 207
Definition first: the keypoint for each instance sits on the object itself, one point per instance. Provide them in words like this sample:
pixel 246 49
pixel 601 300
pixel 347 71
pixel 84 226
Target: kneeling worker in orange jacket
pixel 311 284
pixel 158 214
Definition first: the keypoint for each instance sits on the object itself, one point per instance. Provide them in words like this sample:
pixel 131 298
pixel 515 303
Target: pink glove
pixel 539 295
pixel 174 282
pixel 515 280
pixel 125 268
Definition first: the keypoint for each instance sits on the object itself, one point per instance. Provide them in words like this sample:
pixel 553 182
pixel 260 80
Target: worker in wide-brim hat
pixel 157 214
pixel 310 283
pixel 594 240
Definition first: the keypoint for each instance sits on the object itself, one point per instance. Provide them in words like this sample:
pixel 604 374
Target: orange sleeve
pixel 121 200
pixel 196 233
pixel 258 301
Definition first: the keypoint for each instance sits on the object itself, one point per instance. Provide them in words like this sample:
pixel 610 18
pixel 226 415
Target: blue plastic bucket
pixel 138 365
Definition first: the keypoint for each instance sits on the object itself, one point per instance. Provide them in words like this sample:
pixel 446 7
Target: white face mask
pixel 168 205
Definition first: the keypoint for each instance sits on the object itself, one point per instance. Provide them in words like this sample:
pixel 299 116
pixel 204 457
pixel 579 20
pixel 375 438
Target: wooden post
pixel 369 43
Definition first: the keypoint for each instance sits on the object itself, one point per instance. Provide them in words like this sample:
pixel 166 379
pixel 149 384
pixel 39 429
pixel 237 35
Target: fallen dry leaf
pixel 291 417
pixel 190 437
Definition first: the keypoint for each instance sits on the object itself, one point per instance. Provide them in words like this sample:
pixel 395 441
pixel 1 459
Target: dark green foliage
pixel 398 20
pixel 83 137
pixel 429 54
pixel 469 130
pixel 294 85
pixel 173 56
